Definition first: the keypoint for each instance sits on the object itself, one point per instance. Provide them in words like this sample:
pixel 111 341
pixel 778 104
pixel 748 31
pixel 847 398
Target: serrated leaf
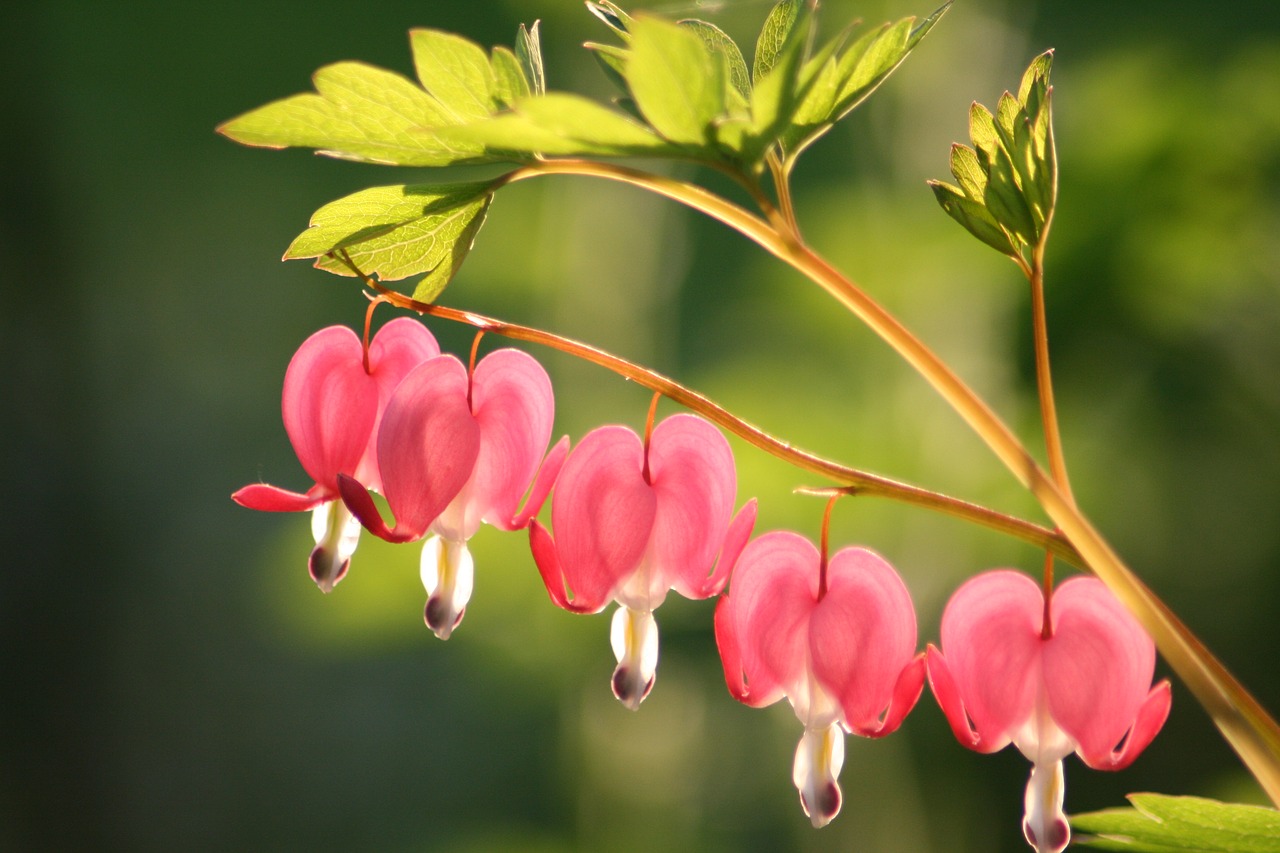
pixel 396 231
pixel 456 71
pixel 968 172
pixel 359 112
pixel 529 52
pixel 1004 200
pixel 982 130
pixel 509 82
pixel 677 83
pixel 561 124
pixel 777 95
pixel 872 66
pixel 718 42
pixel 972 216
pixel 773 37
pixel 1164 824
pixel 1037 74
pixel 613 16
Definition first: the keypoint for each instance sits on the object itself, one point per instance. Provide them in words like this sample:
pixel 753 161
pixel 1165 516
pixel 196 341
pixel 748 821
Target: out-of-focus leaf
pixel 719 43
pixel 397 231
pixel 613 61
pixel 677 83
pixel 509 82
pixel 359 112
pixel 773 36
pixel 561 124
pixel 973 216
pixel 871 65
pixel 1164 824
pixel 529 52
pixel 456 71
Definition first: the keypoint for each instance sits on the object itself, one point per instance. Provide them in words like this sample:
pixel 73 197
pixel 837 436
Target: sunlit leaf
pixel 718 42
pixel 1164 824
pixel 456 71
pixel 777 95
pixel 359 112
pixel 773 36
pixel 529 52
pixel 561 124
pixel 973 216
pixel 982 130
pixel 618 20
pixel 968 172
pixel 1035 77
pixel 509 81
pixel 397 231
pixel 1003 198
pixel 677 83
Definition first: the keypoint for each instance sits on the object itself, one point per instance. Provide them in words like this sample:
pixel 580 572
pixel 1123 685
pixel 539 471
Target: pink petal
pixel 266 498
pixel 862 635
pixel 427 445
pixel 548 562
pixel 734 541
pixel 547 474
pixel 359 502
pixel 329 405
pixel 398 347
pixel 1097 666
pixel 906 692
pixel 991 639
pixel 602 512
pixel 943 685
pixel 756 690
pixel 692 473
pixel 512 402
pixel 1151 717
pixel 775 587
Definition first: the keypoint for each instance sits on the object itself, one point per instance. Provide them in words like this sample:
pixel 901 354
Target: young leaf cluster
pixel 1008 180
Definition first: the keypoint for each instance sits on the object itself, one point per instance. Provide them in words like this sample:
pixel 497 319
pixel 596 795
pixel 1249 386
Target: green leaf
pixel 969 172
pixel 509 82
pixel 866 68
pixel 719 43
pixel 617 20
pixel 1164 824
pixel 677 83
pixel 973 216
pixel 529 52
pixel 1036 77
pixel 561 124
pixel 454 70
pixel 773 37
pixel 613 61
pixel 359 112
pixel 777 95
pixel 1004 199
pixel 982 130
pixel 398 231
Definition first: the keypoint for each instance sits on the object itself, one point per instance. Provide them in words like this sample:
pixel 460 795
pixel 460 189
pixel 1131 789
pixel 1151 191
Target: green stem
pixel 1044 378
pixel 1243 722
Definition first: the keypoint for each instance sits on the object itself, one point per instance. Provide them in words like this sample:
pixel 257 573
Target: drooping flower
pixel 837 639
pixel 457 448
pixel 1080 683
pixel 634 519
pixel 333 401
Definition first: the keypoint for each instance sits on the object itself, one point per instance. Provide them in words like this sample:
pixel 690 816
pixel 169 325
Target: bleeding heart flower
pixel 634 519
pixel 1080 683
pixel 837 638
pixel 333 401
pixel 457 448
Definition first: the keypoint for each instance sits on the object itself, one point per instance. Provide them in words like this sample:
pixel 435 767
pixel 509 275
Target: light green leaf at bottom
pixel 1164 824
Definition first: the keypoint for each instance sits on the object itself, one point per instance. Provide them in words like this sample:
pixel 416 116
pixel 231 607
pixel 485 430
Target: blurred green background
pixel 173 681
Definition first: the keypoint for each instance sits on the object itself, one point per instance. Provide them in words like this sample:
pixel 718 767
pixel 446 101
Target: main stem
pixel 1243 722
